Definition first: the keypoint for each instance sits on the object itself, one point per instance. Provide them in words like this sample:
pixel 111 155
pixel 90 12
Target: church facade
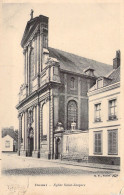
pixel 53 101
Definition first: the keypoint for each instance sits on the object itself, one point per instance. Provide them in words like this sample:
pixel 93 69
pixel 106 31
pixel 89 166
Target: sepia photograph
pixel 61 93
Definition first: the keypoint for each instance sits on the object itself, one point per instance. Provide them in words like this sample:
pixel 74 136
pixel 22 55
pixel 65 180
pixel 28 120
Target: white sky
pixel 90 30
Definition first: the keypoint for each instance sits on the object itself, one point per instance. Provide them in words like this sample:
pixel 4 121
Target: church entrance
pixel 31 146
pixel 30 141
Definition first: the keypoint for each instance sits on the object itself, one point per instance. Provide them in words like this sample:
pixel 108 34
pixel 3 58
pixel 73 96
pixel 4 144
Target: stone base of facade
pixel 104 160
pixel 75 157
pixel 44 155
pixel 23 153
pixel 18 152
pixel 36 154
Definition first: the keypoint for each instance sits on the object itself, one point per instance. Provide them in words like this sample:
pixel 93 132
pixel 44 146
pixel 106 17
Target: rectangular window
pixel 98 142
pixel 113 141
pixel 112 109
pixel 97 112
pixel 7 144
pixel 72 83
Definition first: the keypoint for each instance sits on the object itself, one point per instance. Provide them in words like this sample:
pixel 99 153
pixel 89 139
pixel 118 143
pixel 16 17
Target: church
pixel 53 101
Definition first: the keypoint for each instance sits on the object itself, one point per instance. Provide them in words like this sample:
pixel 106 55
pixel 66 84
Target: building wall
pixel 75 145
pixel 7 141
pixel 78 93
pixel 104 125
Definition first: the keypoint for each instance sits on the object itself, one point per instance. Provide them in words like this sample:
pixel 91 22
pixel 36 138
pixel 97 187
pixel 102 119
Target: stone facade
pixel 50 95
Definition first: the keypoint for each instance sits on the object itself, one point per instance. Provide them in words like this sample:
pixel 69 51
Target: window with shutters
pixel 98 142
pixel 113 141
pixel 72 113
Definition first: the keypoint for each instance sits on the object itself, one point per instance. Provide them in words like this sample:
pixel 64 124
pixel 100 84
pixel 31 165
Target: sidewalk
pixel 80 164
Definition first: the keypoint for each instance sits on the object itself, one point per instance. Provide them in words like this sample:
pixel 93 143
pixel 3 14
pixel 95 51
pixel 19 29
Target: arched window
pixel 72 82
pixel 31 72
pixel 72 113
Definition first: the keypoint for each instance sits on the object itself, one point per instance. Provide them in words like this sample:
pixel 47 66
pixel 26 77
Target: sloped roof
pixel 78 64
pixel 10 132
pixel 115 76
pixel 112 78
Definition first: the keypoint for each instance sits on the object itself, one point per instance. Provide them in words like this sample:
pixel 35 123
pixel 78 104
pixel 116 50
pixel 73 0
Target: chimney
pixel 116 60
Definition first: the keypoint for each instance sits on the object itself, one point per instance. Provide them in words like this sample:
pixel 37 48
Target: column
pixel 23 129
pixel 34 116
pixel 24 53
pixel 38 128
pixel 19 133
pixel 28 64
pixel 79 102
pixel 41 47
pixel 65 81
pixel 35 54
pixel 26 132
pixel 51 141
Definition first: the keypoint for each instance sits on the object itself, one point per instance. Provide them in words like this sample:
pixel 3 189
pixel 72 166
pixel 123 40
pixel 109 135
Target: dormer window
pixel 72 82
pixel 99 83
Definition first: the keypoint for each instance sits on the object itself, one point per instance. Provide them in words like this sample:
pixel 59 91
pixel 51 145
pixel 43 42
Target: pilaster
pixel 65 81
pixel 19 133
pixel 51 138
pixel 26 131
pixel 79 102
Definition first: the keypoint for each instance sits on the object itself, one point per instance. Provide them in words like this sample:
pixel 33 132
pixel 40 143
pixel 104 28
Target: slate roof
pixel 115 76
pixel 10 132
pixel 78 64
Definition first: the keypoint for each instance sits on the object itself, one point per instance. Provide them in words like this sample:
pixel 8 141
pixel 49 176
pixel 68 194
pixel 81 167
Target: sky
pixel 91 30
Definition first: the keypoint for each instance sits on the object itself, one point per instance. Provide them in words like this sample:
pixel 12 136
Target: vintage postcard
pixel 62 97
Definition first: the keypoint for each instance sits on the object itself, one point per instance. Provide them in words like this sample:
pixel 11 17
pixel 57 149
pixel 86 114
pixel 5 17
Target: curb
pixel 70 163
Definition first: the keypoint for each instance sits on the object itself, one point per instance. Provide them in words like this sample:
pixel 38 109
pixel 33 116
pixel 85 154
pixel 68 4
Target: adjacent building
pixel 53 101
pixel 104 117
pixel 9 140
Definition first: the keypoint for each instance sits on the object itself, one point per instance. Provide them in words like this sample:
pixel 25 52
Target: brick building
pixel 54 94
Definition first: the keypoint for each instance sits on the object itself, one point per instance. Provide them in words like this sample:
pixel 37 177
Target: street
pixel 17 165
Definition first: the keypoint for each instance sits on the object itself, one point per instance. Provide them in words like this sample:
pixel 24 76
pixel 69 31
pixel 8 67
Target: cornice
pixel 37 93
pixel 78 74
pixel 103 89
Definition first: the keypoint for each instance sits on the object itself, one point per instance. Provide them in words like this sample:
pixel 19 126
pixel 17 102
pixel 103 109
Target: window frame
pixel 72 85
pixel 110 115
pixel 7 144
pixel 100 80
pixel 111 131
pixel 96 119
pixel 94 146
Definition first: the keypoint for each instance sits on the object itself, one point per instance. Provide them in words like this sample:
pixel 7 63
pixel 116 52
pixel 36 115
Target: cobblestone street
pixel 16 165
